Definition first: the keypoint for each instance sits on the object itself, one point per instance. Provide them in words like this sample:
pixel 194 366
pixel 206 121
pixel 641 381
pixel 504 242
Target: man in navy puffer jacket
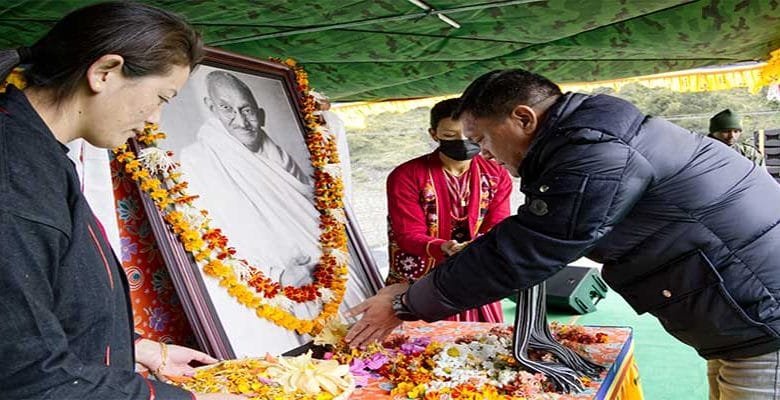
pixel 686 228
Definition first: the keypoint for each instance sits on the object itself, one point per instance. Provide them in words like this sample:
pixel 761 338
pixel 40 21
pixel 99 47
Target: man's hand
pixel 378 320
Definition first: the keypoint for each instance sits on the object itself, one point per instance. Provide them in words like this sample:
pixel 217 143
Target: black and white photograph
pixel 240 142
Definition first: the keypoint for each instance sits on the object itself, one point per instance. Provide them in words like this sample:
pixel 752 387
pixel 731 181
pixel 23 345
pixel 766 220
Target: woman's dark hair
pixel 149 39
pixel 497 92
pixel 443 109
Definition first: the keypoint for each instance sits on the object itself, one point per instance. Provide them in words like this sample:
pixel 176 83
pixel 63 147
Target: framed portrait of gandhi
pixel 237 130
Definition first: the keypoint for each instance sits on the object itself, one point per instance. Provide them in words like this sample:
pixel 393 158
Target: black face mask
pixel 460 150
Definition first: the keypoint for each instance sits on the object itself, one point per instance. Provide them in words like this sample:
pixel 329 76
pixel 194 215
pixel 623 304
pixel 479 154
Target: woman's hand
pixel 179 359
pixel 169 360
pixel 452 247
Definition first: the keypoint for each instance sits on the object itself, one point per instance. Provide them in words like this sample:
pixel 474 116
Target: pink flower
pixel 358 370
pixel 415 346
pixel 376 361
pixel 362 369
pixel 267 381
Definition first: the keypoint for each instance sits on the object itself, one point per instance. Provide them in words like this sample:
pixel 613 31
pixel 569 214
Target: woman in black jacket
pixel 100 74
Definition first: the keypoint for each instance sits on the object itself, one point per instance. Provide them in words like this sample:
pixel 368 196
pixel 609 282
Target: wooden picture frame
pixel 275 223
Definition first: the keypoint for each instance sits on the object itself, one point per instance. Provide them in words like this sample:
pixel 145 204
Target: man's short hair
pixel 443 109
pixel 498 92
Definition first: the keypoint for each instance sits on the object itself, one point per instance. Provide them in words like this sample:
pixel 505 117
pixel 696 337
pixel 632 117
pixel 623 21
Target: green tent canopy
pixel 391 49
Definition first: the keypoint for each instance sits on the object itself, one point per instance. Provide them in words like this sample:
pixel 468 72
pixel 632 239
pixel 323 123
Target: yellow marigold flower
pixel 159 194
pixel 224 270
pixel 246 298
pixel 174 216
pixel 16 78
pixel 274 315
pixel 244 388
pixel 148 185
pixel 402 388
pixel 122 156
pixel 140 174
pixel 324 396
pixel 132 166
pixel 199 244
pixel 190 234
pixel 417 392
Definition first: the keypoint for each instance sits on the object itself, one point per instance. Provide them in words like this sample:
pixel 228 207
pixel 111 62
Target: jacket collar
pixel 558 112
pixel 14 104
pixel 614 118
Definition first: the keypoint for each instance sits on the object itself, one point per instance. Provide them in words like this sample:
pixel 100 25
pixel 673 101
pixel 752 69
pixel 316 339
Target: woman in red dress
pixel 439 202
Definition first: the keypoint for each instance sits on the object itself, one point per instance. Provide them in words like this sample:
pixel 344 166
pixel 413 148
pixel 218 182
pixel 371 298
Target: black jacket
pixel 687 228
pixel 66 328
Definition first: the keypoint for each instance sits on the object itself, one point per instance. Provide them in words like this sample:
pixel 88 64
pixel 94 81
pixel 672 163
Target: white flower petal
pixel 156 160
pixel 333 170
pixel 339 215
pixel 342 257
pixel 326 295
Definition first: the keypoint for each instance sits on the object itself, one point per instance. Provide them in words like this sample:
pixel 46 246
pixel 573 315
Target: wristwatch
pixel 400 309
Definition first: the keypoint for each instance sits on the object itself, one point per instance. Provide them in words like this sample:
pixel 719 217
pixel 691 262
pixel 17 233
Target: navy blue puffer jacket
pixel 687 228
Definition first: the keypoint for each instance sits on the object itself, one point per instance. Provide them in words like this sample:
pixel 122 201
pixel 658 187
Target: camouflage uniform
pixel 750 152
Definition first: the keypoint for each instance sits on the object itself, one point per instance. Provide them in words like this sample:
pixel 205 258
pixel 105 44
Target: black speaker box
pixel 575 289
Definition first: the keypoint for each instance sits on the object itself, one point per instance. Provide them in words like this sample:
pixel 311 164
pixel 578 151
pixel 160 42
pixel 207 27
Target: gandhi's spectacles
pixel 229 112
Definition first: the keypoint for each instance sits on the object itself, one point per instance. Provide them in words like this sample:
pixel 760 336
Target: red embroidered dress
pixel 427 207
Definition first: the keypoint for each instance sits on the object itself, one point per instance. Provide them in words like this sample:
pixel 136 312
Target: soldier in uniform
pixel 726 127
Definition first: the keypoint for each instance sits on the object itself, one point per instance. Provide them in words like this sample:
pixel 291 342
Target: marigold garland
pixel 209 247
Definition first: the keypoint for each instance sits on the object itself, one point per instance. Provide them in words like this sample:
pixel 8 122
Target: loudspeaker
pixel 575 289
